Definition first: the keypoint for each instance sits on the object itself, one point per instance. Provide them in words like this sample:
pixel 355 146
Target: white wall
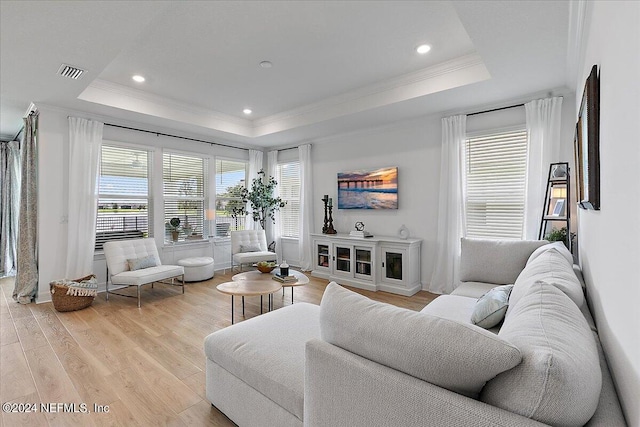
pixel 53 154
pixel 609 239
pixel 414 147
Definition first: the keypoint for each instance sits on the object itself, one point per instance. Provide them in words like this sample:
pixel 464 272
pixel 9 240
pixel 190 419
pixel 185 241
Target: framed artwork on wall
pixel 368 189
pixel 587 144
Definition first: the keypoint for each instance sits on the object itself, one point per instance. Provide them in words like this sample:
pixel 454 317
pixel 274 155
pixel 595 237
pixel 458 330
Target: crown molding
pixel 416 77
pixel 137 94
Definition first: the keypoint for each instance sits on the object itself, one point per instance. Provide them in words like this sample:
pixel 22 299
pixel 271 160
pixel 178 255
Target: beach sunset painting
pixel 375 189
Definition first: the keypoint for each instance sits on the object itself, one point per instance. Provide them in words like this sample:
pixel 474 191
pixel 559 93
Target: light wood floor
pixel 147 364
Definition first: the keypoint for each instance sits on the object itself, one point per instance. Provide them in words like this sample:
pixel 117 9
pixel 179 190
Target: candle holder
pixel 330 229
pixel 325 199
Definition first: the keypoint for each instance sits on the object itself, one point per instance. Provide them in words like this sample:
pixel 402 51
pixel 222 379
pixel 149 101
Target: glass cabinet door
pixel 363 262
pixel 343 259
pixel 392 265
pixel 322 255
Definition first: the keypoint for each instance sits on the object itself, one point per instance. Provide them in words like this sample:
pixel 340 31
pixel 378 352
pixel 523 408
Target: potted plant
pixel 260 198
pixel 174 227
pixel 559 235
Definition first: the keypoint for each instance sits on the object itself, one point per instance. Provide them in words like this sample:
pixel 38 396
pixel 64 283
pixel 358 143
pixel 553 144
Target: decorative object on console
pixel 403 232
pixel 325 200
pixel 330 229
pixel 587 144
pixel 360 231
pixel 373 189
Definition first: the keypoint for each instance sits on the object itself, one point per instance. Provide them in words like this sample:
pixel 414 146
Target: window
pixel 289 189
pixel 184 181
pixel 123 195
pixel 496 174
pixel 230 180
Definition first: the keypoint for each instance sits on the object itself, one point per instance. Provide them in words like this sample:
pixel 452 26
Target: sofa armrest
pixel 342 388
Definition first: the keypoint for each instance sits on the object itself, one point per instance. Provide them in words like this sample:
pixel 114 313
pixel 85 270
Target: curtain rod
pixel 496 109
pixel 175 136
pixel 522 104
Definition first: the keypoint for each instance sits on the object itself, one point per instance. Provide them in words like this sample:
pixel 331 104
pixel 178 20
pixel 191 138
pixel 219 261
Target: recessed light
pixel 247 111
pixel 266 64
pixel 423 48
pixel 138 78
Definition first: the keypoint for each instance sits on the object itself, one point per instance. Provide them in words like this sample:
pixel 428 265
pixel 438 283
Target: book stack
pixel 284 279
pixel 356 233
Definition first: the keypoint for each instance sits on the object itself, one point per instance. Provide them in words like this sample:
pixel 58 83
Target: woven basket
pixel 64 302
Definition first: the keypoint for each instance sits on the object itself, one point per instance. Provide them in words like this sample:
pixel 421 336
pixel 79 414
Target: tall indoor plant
pixel 260 199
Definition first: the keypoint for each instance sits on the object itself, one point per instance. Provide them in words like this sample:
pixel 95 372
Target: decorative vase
pixel 174 235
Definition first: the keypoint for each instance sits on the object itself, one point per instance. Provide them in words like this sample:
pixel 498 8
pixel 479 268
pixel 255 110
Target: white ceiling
pixel 337 66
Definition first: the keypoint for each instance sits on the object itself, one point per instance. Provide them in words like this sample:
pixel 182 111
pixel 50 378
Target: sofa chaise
pixel 353 361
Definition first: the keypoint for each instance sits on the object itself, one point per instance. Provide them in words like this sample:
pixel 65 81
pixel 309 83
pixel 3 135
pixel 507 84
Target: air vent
pixel 70 71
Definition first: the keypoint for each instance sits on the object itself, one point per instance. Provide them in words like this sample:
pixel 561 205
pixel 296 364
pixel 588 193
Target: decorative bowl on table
pixel 266 267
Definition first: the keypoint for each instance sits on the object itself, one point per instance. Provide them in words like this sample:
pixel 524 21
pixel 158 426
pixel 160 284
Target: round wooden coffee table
pixel 247 288
pixel 256 276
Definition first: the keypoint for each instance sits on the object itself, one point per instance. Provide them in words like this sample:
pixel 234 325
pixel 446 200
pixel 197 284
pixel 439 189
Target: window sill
pixel 194 242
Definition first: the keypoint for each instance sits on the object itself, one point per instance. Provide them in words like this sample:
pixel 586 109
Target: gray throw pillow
pixel 143 262
pixel 454 355
pixel 249 248
pixel 491 307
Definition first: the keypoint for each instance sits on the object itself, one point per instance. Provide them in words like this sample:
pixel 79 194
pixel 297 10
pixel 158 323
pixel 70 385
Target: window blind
pixel 123 195
pixel 231 178
pixel 496 177
pixel 184 191
pixel 289 189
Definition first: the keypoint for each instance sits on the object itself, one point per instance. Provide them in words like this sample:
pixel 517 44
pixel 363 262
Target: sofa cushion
pixel 147 275
pixel 250 257
pixel 550 267
pixel 457 356
pixel 473 289
pixel 490 309
pixel 559 379
pixel 495 261
pixel 559 246
pixel 267 352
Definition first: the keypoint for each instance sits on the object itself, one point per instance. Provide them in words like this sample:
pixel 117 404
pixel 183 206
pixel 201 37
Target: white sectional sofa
pixel 356 362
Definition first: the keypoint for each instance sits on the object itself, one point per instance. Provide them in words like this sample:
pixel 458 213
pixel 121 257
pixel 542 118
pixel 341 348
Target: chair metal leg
pixel 292 295
pixel 183 283
pixel 138 296
pixel 243 306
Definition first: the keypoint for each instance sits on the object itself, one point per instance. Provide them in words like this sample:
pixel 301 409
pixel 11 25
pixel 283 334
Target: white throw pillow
pixel 140 263
pixel 491 307
pixel 558 246
pixel 458 356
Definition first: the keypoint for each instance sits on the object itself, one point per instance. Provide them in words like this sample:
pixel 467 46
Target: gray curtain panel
pixel 9 205
pixel 26 283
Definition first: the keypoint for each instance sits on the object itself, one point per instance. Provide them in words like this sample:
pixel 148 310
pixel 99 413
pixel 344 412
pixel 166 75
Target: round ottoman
pixel 197 269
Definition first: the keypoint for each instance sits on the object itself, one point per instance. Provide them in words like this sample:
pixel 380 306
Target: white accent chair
pixel 243 248
pixel 117 252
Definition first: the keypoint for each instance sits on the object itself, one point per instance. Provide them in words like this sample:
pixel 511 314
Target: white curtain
pixel 273 229
pixel 451 206
pixel 306 207
pixel 85 142
pixel 9 206
pixel 543 124
pixel 255 166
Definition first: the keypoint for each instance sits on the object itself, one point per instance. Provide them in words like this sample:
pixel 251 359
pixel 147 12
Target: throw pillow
pixel 249 248
pixel 143 262
pixel 491 307
pixel 559 380
pixel 458 356
pixel 559 246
